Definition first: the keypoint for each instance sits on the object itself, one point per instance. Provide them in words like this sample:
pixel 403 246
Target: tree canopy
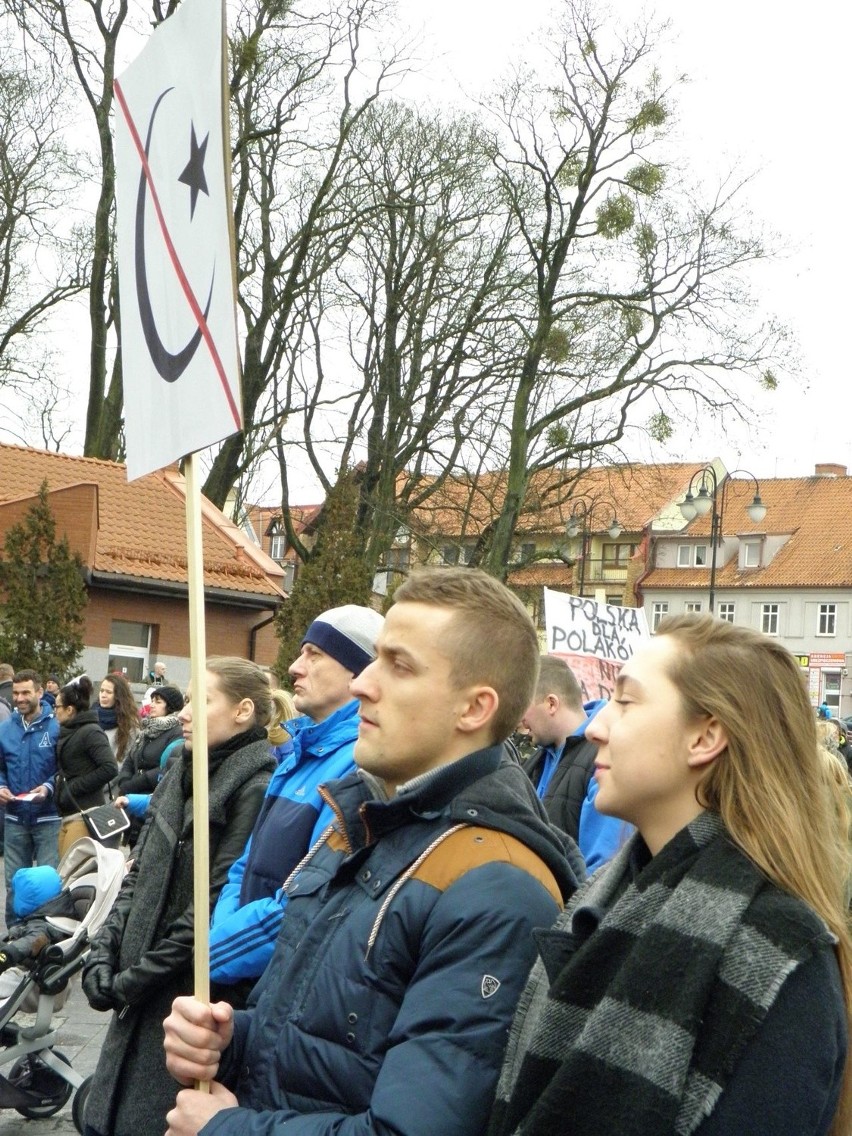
pixel 44 597
pixel 426 292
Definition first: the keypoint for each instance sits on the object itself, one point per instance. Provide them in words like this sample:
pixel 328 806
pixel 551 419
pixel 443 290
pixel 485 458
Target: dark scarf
pixel 108 717
pixel 651 985
pixel 216 756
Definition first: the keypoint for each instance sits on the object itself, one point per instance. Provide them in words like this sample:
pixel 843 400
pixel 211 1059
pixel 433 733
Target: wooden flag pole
pixel 198 669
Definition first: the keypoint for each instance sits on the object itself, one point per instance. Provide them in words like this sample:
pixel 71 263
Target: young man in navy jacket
pixel 407 936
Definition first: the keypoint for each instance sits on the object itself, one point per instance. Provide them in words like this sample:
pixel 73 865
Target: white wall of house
pixel 812 622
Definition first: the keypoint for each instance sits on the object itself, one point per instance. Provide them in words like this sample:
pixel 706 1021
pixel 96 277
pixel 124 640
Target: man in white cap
pixel 337 646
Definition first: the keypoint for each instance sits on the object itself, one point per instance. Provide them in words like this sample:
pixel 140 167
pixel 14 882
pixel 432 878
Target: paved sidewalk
pixel 81 1036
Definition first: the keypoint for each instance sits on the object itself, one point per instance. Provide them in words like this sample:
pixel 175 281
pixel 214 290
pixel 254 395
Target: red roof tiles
pixel 138 529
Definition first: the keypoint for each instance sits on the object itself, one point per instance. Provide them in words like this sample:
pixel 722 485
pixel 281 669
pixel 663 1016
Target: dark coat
pixel 148 936
pixel 140 770
pixel 85 764
pixel 569 784
pixel 403 950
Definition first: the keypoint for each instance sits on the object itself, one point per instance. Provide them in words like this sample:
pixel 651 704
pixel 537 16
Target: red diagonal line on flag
pixel 173 256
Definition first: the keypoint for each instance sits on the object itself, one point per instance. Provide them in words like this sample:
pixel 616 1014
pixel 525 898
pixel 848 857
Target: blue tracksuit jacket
pixel 248 913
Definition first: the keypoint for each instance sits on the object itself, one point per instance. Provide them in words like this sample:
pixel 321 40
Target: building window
pixel 692 607
pixel 450 554
pixel 277 542
pixel 751 554
pixel 467 553
pixel 617 555
pixel 726 612
pixel 289 574
pixel 658 611
pixel 527 552
pixel 399 558
pixel 692 556
pixel 827 621
pixel 129 646
pixel 769 619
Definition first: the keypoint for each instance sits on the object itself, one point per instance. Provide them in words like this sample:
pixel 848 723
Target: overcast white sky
pixel 769 93
pixel 766 93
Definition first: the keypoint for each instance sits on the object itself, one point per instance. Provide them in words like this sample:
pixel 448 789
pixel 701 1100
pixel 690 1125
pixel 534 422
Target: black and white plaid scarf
pixel 648 991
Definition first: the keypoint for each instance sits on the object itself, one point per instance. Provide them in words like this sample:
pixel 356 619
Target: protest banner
pixel 595 639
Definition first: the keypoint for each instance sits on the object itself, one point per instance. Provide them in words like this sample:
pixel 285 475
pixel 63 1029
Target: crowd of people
pixel 642 928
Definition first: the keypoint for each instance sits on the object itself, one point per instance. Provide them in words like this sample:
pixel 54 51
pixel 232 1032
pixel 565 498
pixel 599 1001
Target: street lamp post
pixel 700 504
pixel 578 525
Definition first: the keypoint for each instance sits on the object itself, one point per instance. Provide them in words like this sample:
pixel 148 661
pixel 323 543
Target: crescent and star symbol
pixel 170 365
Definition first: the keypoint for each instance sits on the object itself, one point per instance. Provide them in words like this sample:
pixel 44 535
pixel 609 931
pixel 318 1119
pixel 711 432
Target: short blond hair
pixel 491 639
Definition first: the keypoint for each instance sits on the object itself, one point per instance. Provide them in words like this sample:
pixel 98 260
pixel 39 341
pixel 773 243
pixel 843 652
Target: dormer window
pixel 692 556
pixel 751 553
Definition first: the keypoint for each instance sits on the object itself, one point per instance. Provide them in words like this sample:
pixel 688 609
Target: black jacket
pixel 147 938
pixel 140 771
pixel 85 764
pixel 569 783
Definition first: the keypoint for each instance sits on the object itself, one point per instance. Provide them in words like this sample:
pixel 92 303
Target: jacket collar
pixel 45 713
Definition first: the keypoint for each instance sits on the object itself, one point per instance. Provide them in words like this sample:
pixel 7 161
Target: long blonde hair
pixel 283 709
pixel 782 801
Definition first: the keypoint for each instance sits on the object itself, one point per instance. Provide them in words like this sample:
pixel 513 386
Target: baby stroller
pixel 35 1078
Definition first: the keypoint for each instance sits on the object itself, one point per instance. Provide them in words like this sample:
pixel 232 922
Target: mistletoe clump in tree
pixel 41 616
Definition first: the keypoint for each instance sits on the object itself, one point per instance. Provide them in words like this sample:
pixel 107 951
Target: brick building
pixel 131 537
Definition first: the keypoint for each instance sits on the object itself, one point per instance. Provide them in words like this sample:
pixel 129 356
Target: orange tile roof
pixel 141 525
pixel 463 506
pixel 542 575
pixel 812 511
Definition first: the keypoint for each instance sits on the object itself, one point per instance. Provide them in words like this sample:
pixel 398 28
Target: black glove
pixel 98 979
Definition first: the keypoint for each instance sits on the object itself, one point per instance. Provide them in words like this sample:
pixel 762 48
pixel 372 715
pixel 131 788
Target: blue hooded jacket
pixel 27 760
pixel 250 907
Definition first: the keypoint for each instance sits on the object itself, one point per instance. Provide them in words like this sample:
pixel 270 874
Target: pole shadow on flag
pixel 595 639
pixel 177 297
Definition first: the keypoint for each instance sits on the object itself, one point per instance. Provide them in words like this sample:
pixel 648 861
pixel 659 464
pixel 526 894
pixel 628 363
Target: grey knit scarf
pixel 650 986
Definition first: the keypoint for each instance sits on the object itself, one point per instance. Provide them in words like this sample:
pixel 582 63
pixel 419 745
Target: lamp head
pixel 756 510
pixel 687 506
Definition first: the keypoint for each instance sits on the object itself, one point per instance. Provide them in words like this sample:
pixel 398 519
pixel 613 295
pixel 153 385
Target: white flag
pixel 180 356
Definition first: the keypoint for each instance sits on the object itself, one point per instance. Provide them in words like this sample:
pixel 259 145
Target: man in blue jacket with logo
pixel 336 647
pixel 27 772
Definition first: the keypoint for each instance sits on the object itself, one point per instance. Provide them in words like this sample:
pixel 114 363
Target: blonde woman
pixel 701 982
pixel 141 958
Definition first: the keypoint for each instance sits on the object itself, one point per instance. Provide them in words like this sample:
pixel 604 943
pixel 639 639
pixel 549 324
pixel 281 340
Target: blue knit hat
pixel 31 887
pixel 348 634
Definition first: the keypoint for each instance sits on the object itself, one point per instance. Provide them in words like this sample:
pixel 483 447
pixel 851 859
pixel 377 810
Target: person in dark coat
pixel 85 764
pixel 141 958
pixel 561 769
pixel 409 926
pixel 142 768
